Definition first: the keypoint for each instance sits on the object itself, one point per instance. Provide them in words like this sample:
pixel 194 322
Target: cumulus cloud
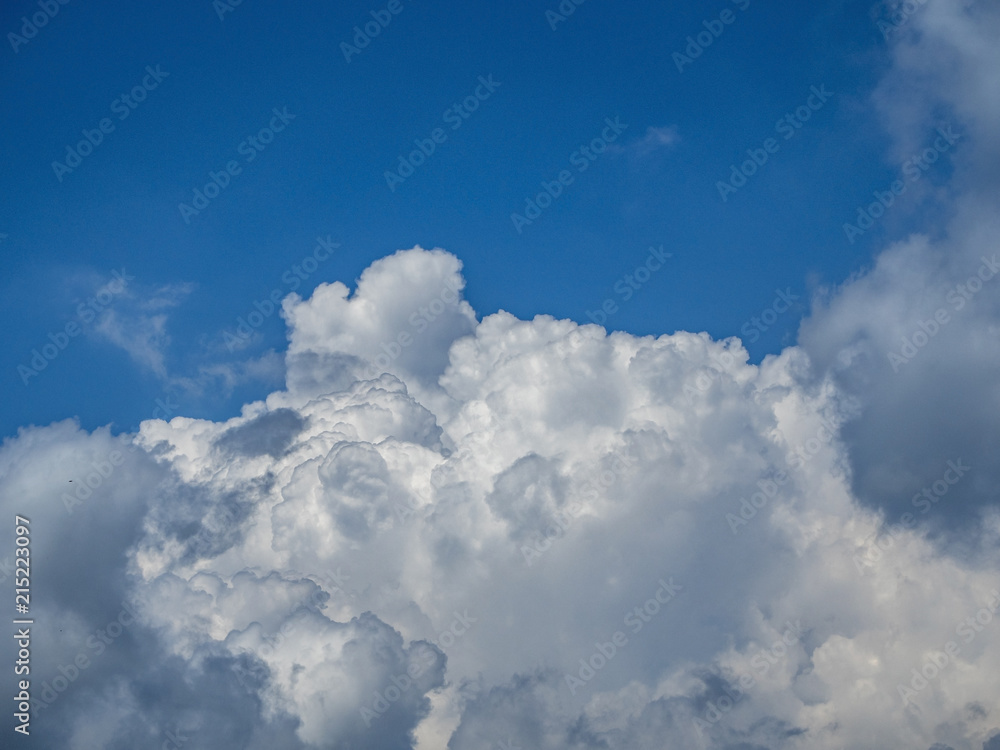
pixel 655 518
pixel 912 336
pixel 452 532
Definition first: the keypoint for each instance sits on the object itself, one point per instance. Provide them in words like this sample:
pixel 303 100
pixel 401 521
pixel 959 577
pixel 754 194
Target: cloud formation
pixel 453 532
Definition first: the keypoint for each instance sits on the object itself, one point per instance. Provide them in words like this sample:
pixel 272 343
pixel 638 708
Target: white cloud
pixel 654 139
pixel 650 442
pixel 938 401
pixel 137 324
pixel 616 460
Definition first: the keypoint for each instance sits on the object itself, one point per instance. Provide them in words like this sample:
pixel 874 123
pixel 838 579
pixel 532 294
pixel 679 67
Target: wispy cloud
pixel 655 139
pixel 137 323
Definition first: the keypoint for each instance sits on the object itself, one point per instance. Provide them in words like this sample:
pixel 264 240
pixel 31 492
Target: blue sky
pixel 324 174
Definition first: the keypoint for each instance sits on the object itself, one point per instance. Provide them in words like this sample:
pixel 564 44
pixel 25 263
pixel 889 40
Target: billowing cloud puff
pixel 576 540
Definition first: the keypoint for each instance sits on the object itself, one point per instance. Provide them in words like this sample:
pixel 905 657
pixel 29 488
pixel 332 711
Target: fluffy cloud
pixel 914 337
pixel 464 533
pixel 668 525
